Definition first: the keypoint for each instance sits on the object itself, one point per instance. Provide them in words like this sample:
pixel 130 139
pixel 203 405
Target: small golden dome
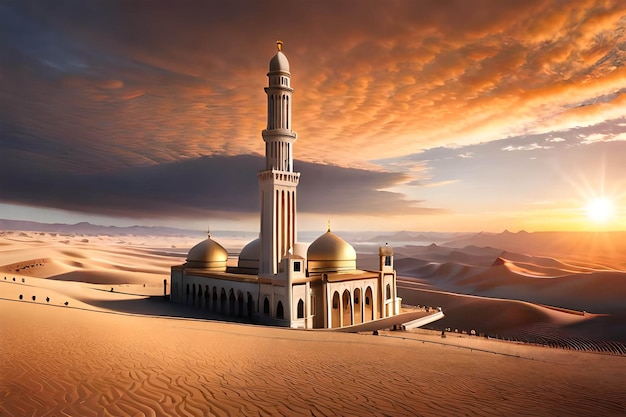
pixel 385 250
pixel 208 254
pixel 329 253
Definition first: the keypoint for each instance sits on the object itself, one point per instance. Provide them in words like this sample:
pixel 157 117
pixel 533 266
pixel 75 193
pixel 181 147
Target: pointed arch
pixel 270 110
pixel 300 309
pixel 250 305
pixel 231 302
pixel 368 308
pixel 240 305
pixel 358 306
pixel 283 231
pixel 280 311
pixel 223 302
pixel 346 309
pixel 335 319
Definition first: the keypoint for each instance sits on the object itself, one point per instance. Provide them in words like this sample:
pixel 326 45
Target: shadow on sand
pixel 158 306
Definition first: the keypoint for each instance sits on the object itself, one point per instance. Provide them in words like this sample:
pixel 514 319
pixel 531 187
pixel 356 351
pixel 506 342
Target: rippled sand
pixel 60 360
pixel 92 357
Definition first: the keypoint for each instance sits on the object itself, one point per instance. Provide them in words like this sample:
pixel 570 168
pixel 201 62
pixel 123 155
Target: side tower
pixel 278 182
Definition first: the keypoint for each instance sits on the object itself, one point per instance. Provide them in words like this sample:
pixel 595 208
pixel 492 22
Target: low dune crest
pixel 588 297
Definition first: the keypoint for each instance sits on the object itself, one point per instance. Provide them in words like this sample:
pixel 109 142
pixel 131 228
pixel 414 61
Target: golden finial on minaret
pixel 328 225
pixel 279 45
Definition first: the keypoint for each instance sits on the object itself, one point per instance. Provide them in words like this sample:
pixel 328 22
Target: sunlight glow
pixel 600 210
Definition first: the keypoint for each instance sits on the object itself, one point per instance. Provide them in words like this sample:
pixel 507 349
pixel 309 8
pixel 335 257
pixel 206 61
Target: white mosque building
pixel 277 280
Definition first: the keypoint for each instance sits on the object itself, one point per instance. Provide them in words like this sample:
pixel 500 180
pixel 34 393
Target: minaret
pixel 278 182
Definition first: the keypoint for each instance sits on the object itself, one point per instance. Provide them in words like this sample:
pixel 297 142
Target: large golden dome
pixel 208 254
pixel 330 253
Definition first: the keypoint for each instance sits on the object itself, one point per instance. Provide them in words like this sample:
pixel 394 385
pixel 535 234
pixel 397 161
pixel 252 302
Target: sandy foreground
pixel 127 352
pixel 65 361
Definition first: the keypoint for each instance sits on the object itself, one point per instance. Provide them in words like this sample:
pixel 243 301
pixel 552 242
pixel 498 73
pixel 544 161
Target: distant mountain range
pixel 539 243
pixel 405 237
pixel 597 245
pixel 85 228
pixel 93 229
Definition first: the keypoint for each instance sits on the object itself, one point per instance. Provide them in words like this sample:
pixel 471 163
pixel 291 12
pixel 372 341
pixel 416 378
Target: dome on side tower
pixel 330 253
pixel 279 62
pixel 250 254
pixel 208 254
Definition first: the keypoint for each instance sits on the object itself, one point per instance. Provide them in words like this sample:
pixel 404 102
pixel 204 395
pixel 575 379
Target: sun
pixel 599 210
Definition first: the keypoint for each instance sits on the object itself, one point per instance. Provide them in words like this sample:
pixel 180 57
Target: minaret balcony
pixel 270 133
pixel 280 177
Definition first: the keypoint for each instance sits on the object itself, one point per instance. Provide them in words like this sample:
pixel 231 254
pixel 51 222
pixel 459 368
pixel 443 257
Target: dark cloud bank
pixel 216 185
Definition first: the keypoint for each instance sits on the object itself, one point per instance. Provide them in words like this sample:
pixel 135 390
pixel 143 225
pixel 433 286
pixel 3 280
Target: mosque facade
pixel 277 280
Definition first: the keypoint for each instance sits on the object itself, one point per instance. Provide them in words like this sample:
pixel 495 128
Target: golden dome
pixel 250 254
pixel 208 254
pixel 329 253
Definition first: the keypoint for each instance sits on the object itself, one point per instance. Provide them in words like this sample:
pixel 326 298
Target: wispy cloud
pixel 531 147
pixel 601 137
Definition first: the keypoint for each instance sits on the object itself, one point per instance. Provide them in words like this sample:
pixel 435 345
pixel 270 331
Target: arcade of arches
pixel 220 300
pixel 352 308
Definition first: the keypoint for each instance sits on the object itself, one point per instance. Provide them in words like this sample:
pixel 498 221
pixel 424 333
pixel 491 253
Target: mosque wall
pixel 351 302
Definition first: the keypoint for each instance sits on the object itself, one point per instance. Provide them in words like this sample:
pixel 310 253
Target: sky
pixel 427 115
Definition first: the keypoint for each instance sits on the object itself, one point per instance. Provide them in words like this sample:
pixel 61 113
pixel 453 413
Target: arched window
pixel 250 305
pixel 280 312
pixel 223 301
pixel 231 302
pixel 335 318
pixel 270 118
pixel 266 306
pixel 239 303
pixel 300 309
pixel 368 308
pixel 388 292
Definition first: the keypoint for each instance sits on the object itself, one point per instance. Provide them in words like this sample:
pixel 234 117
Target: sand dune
pixel 509 277
pixel 521 321
pixel 100 261
pixel 98 339
pixel 537 279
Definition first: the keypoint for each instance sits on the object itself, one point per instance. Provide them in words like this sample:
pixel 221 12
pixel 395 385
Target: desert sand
pixel 518 296
pixel 117 348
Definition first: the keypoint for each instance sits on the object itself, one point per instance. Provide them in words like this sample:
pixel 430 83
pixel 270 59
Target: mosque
pixel 278 281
